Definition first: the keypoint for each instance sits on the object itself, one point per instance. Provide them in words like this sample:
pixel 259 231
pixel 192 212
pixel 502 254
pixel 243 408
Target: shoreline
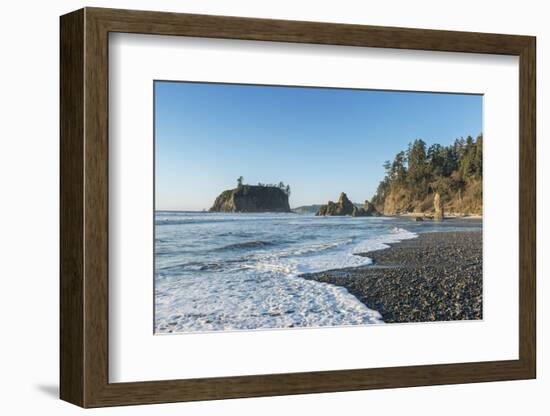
pixel 449 216
pixel 408 215
pixel 434 277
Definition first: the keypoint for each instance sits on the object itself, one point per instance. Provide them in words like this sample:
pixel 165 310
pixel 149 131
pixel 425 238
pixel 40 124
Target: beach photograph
pixel 280 207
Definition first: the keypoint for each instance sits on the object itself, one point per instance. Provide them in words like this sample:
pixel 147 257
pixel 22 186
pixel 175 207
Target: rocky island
pixel 345 207
pixel 253 198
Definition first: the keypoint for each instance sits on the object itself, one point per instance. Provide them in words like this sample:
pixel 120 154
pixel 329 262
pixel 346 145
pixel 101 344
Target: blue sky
pixel 321 141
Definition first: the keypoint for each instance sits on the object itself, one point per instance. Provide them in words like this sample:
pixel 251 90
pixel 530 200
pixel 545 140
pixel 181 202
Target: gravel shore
pixel 435 277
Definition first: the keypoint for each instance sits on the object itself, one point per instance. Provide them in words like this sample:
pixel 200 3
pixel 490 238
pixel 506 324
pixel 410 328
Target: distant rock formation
pixel 438 207
pixel 307 209
pixel 345 207
pixel 252 198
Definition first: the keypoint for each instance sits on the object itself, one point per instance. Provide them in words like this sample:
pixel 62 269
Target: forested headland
pixel 416 174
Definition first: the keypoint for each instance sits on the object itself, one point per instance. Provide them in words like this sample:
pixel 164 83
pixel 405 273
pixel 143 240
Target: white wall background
pixel 29 206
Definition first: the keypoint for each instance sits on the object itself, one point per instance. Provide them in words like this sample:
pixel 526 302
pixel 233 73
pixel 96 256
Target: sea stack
pixel 438 206
pixel 345 207
pixel 252 198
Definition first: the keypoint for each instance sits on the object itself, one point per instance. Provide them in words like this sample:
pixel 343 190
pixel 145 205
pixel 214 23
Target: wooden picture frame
pixel 84 207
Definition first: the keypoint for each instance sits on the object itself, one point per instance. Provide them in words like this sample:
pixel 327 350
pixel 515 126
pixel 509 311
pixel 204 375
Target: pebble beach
pixel 435 277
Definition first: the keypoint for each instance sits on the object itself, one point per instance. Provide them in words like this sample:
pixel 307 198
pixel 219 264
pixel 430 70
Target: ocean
pixel 218 271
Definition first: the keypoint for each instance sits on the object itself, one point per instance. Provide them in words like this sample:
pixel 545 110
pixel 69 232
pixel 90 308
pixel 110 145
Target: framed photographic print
pixel 255 207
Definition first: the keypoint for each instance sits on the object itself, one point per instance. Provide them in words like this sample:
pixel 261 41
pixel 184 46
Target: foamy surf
pixel 256 302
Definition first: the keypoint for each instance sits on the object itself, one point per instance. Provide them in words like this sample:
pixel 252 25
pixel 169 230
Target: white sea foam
pixel 256 302
pixel 381 242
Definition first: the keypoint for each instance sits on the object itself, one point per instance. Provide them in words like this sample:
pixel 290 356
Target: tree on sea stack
pixel 240 180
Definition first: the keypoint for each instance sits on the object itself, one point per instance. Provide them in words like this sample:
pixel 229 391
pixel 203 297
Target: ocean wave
pixel 329 256
pixel 247 245
pixel 173 269
pixel 166 222
pixel 313 248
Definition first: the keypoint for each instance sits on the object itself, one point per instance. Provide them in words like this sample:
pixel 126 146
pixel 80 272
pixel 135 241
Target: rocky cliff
pixel 345 207
pixel 466 201
pixel 252 198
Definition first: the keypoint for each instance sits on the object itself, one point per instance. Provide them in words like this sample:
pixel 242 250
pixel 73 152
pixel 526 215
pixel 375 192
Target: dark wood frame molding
pixel 84 207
